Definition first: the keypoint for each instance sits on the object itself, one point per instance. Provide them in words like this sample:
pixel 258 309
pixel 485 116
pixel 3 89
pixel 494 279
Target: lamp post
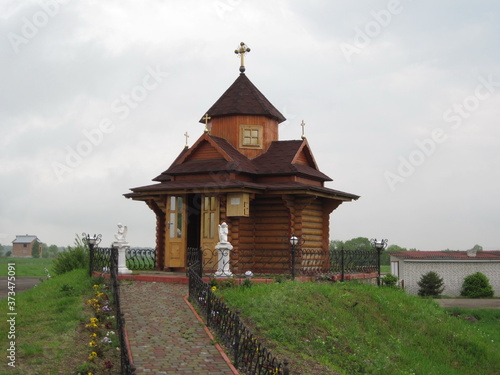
pixel 91 242
pixel 295 242
pixel 379 246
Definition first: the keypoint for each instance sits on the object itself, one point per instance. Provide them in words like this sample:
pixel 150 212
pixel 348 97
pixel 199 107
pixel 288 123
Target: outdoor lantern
pixel 294 240
pixel 91 241
pixel 379 245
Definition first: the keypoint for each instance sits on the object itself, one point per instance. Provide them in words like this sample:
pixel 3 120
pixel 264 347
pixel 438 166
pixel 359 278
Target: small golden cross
pixel 303 124
pixel 241 51
pixel 206 118
pixel 187 136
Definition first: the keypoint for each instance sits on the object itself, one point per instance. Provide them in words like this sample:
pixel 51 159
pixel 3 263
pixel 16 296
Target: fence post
pixel 236 344
pixel 286 370
pixel 342 263
pixel 91 261
pixel 209 305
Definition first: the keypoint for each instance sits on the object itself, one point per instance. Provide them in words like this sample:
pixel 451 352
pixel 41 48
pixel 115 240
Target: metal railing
pixel 299 262
pixel 249 355
pixel 127 367
pixel 135 258
pixel 140 258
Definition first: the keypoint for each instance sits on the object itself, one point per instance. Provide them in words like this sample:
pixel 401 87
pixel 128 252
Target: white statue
pixel 223 231
pixel 122 233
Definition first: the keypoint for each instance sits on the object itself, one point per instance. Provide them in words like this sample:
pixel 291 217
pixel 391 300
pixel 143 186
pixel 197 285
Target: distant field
pixel 26 266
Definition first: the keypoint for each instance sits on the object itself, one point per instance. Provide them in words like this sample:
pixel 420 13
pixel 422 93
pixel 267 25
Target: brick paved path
pixel 165 337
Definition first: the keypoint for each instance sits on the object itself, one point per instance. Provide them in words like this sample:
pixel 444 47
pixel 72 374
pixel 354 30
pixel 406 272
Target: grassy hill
pixel 351 328
pixel 34 267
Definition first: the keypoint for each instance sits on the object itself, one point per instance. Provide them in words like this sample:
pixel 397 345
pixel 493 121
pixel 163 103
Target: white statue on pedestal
pixel 121 235
pixel 223 232
pixel 223 248
pixel 122 245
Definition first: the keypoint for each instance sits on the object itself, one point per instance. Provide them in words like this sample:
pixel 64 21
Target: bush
pixel 431 284
pixel 390 280
pixel 476 285
pixel 74 258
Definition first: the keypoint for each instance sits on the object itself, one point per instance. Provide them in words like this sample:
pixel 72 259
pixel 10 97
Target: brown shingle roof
pixel 278 161
pixel 220 184
pixel 243 98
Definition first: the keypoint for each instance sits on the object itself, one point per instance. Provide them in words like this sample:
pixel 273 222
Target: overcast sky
pixel 401 102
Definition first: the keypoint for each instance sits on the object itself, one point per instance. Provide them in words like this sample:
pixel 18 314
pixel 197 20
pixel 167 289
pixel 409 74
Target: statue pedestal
pixel 223 249
pixel 122 264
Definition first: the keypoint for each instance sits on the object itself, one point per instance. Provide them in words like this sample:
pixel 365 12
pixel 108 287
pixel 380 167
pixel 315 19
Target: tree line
pixel 363 243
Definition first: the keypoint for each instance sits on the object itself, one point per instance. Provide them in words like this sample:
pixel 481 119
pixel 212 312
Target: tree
pixel 1 249
pixel 476 285
pixel 477 247
pixel 336 245
pixel 52 251
pixel 35 250
pixel 431 284
pixel 396 248
pixel 359 243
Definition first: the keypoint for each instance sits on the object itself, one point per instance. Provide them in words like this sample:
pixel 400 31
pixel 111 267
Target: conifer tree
pixel 431 284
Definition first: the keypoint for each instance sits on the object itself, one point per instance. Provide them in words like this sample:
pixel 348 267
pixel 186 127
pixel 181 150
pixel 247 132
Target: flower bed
pixel 103 342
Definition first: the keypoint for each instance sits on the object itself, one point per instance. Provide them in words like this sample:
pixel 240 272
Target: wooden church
pixel 239 172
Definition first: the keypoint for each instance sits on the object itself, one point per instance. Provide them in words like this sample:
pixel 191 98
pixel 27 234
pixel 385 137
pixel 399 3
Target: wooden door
pixel 176 232
pixel 209 232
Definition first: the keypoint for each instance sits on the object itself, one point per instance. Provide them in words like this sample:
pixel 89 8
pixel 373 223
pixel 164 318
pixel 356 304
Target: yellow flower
pixel 92 343
pixel 94 320
pixel 92 355
pixel 93 335
pixel 214 288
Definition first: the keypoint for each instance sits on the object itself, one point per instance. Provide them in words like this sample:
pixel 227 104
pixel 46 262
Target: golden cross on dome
pixel 187 136
pixel 303 124
pixel 241 51
pixel 206 118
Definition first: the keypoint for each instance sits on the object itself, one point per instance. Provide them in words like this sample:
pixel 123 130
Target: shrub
pixel 390 280
pixel 431 284
pixel 74 258
pixel 476 285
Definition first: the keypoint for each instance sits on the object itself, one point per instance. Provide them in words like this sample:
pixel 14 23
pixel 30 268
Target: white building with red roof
pixel 452 266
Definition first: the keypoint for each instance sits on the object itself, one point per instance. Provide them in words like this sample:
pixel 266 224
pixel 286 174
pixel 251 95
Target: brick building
pixel 22 246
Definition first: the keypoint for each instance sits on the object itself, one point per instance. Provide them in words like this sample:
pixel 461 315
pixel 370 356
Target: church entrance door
pixel 209 230
pixel 176 232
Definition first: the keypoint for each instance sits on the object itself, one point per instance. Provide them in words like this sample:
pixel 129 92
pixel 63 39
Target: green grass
pixel 385 269
pixel 354 328
pixel 34 267
pixel 48 321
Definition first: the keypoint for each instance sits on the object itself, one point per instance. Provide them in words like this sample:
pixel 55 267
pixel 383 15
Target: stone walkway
pixel 165 336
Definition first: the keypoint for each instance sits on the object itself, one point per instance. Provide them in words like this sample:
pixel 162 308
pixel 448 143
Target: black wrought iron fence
pixel 260 262
pixel 127 367
pixel 249 355
pixel 100 259
pixel 307 262
pixel 140 258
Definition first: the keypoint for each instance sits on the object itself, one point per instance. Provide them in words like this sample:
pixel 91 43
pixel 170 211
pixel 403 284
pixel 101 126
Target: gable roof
pixel 281 159
pixel 243 98
pixel 25 239
pixel 445 255
pixel 227 159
